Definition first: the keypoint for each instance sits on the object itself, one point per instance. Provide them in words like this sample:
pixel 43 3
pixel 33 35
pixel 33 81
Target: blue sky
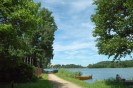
pixel 74 43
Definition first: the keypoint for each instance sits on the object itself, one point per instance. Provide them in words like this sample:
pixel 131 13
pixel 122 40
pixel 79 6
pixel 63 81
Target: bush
pixel 55 71
pixel 11 70
pixel 25 73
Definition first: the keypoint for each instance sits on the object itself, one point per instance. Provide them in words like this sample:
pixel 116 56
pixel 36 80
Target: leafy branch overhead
pixel 26 31
pixel 114 27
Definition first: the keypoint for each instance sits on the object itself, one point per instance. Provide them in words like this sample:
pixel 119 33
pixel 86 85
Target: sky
pixel 74 43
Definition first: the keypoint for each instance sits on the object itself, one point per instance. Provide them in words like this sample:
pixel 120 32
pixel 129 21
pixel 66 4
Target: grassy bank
pixel 65 74
pixel 41 83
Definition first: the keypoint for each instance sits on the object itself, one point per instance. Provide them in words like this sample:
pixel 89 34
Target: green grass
pixel 97 84
pixel 41 83
pixel 70 74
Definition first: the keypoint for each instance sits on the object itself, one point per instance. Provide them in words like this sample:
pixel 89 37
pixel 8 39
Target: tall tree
pixel 17 18
pixel 43 38
pixel 26 30
pixel 114 27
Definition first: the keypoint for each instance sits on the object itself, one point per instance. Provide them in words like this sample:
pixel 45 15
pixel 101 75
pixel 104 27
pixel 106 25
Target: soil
pixel 60 83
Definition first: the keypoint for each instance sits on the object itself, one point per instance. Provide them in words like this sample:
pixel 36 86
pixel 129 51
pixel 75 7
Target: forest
pixel 112 64
pixel 67 66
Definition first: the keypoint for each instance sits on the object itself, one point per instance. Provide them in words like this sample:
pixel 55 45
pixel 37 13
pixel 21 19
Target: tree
pixel 42 39
pixel 111 64
pixel 17 19
pixel 26 30
pixel 114 27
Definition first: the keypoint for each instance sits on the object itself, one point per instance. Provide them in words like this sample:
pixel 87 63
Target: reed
pixel 68 73
pixel 69 76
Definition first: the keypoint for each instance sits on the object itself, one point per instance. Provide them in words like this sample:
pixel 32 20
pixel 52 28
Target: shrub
pixel 11 70
pixel 55 71
pixel 25 73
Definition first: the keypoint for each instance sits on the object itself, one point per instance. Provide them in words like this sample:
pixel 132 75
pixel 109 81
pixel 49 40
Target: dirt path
pixel 60 83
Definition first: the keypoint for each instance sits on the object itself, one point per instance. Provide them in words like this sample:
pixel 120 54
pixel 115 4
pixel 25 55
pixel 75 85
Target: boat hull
pixel 83 77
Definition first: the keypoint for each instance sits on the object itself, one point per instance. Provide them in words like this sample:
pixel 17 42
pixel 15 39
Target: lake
pixel 104 73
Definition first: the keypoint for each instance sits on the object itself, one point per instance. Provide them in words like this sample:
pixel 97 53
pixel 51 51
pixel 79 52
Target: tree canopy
pixel 114 27
pixel 26 31
pixel 110 64
pixel 25 28
pixel 66 66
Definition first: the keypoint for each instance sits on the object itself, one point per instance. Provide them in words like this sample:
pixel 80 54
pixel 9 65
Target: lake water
pixel 105 73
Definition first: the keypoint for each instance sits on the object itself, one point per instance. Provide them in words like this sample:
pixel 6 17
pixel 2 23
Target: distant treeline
pixel 111 64
pixel 67 66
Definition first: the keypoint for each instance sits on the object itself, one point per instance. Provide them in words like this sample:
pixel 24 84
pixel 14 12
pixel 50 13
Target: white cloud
pixel 80 5
pixel 72 6
pixel 73 39
pixel 76 45
pixel 70 47
pixel 53 1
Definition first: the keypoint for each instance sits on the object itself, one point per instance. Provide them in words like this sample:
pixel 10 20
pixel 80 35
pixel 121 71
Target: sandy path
pixel 60 83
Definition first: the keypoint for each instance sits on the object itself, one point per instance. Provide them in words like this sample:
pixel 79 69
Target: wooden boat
pixel 84 77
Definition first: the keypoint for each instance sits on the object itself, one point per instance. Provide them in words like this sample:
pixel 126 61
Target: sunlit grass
pixel 97 84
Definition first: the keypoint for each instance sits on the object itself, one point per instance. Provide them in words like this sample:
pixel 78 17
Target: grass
pixel 41 83
pixel 97 84
pixel 69 74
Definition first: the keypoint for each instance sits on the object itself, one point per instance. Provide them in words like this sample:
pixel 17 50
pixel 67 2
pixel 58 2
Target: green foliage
pixel 25 73
pixel 26 31
pixel 27 28
pixel 42 39
pixel 110 64
pixel 16 20
pixel 7 68
pixel 43 82
pixel 55 71
pixel 67 66
pixel 68 73
pixel 96 84
pixel 114 29
pixel 78 73
pixel 13 70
